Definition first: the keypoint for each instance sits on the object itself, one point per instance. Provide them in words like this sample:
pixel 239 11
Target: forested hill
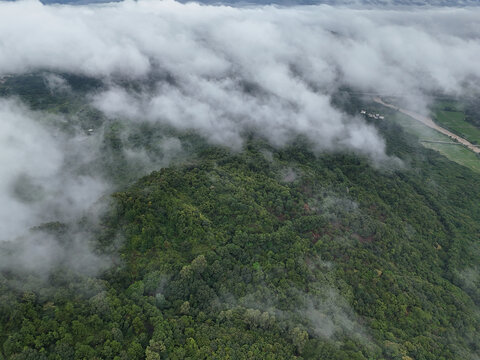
pixel 270 254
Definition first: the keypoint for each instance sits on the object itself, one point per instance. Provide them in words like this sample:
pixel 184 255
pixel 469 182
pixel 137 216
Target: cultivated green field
pixel 450 115
pixel 455 152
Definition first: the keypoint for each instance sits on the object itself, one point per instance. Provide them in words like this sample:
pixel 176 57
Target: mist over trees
pixel 192 181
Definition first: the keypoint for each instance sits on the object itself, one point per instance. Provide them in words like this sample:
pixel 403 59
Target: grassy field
pixel 455 152
pixel 450 115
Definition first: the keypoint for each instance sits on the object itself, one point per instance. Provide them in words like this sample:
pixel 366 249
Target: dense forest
pixel 263 253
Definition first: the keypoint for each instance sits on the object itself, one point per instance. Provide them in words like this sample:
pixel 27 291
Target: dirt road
pixel 431 124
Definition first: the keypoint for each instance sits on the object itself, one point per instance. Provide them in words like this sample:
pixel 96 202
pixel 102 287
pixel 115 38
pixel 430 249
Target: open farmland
pixel 439 142
pixel 451 116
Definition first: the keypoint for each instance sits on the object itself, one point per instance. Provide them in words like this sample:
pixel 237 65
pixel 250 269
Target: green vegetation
pixel 451 116
pixel 267 254
pixel 224 259
pixel 439 142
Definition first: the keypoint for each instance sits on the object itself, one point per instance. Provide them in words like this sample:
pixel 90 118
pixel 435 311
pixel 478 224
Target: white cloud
pixel 218 70
pixel 293 58
pixel 38 184
pixel 26 151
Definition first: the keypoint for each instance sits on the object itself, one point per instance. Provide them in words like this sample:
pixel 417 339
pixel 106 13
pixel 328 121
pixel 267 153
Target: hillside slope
pixel 271 254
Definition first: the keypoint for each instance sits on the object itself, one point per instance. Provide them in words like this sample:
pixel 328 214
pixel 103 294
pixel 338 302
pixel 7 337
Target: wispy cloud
pixel 218 70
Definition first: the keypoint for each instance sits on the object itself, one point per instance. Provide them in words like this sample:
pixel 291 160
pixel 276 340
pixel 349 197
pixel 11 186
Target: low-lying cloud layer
pixel 36 185
pixel 54 180
pixel 223 71
pixel 217 70
pixel 40 183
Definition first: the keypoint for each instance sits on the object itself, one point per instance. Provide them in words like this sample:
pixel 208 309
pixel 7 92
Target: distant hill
pixel 454 3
